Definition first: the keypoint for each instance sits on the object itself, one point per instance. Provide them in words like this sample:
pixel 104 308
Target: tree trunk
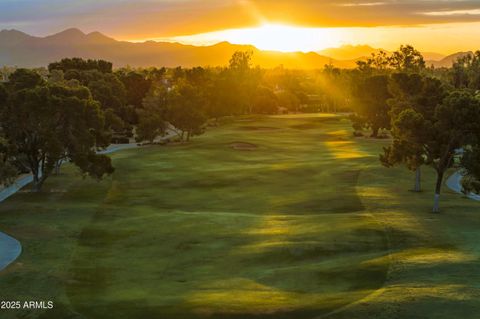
pixel 438 189
pixel 41 182
pixel 418 181
pixel 188 136
pixel 436 204
pixel 375 132
pixel 35 182
pixel 39 178
pixel 58 165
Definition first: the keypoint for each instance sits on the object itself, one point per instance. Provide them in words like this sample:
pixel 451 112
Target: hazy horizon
pixel 307 39
pixel 209 39
pixel 268 25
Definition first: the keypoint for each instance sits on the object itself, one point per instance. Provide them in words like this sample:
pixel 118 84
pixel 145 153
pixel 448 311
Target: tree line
pixel 76 107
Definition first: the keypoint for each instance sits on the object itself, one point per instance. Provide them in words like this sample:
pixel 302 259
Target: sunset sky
pixel 443 26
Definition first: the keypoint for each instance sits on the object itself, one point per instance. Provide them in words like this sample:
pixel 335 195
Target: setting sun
pixel 290 38
pixel 274 37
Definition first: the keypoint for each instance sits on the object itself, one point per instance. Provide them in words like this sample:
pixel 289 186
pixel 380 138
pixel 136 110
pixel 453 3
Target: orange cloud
pixel 157 18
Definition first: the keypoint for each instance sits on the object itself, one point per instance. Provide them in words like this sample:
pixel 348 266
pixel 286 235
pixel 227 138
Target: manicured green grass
pixel 304 224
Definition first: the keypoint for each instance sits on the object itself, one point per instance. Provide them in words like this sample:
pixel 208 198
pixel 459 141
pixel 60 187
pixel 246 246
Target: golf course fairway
pixel 261 217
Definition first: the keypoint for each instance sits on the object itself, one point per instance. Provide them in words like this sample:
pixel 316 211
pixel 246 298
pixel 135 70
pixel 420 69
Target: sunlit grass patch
pixel 345 150
pixel 418 291
pixel 424 256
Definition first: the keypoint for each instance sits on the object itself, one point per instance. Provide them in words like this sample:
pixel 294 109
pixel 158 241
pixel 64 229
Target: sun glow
pixel 289 38
pixel 274 37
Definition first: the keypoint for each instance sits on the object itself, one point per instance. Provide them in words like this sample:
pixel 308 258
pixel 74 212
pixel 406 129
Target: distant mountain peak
pixel 223 43
pixel 66 36
pixel 99 37
pixel 69 32
pixel 449 60
pixel 350 52
pixel 78 37
pixel 226 44
pixel 96 34
pixel 13 37
pixel 73 31
pixel 12 31
pixel 358 46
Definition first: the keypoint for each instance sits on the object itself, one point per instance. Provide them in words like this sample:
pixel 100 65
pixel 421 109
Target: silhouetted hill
pixel 23 50
pixel 448 60
pixel 350 52
pixel 433 56
pixel 13 37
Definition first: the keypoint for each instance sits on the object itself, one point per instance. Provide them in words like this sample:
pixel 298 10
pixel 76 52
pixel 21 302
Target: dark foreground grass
pixel 301 226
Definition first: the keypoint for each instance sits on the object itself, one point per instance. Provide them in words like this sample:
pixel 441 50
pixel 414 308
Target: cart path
pixel 454 182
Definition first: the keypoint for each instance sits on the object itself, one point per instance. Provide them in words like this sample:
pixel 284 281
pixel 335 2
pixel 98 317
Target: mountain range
pixel 23 50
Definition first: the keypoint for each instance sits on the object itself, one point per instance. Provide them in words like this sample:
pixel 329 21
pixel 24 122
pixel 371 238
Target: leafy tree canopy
pixel 50 122
pixel 81 65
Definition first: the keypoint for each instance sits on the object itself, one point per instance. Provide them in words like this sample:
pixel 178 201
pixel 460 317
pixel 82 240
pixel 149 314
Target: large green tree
pixel 185 110
pixel 372 110
pixel 152 116
pixel 265 101
pixel 455 123
pixel 465 72
pixel 244 81
pixel 222 100
pixel 407 59
pixel 422 94
pixel 8 171
pixel 136 84
pixel 105 86
pixel 45 123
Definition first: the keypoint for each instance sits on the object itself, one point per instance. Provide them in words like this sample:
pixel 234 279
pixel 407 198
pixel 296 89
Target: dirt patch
pixel 242 146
